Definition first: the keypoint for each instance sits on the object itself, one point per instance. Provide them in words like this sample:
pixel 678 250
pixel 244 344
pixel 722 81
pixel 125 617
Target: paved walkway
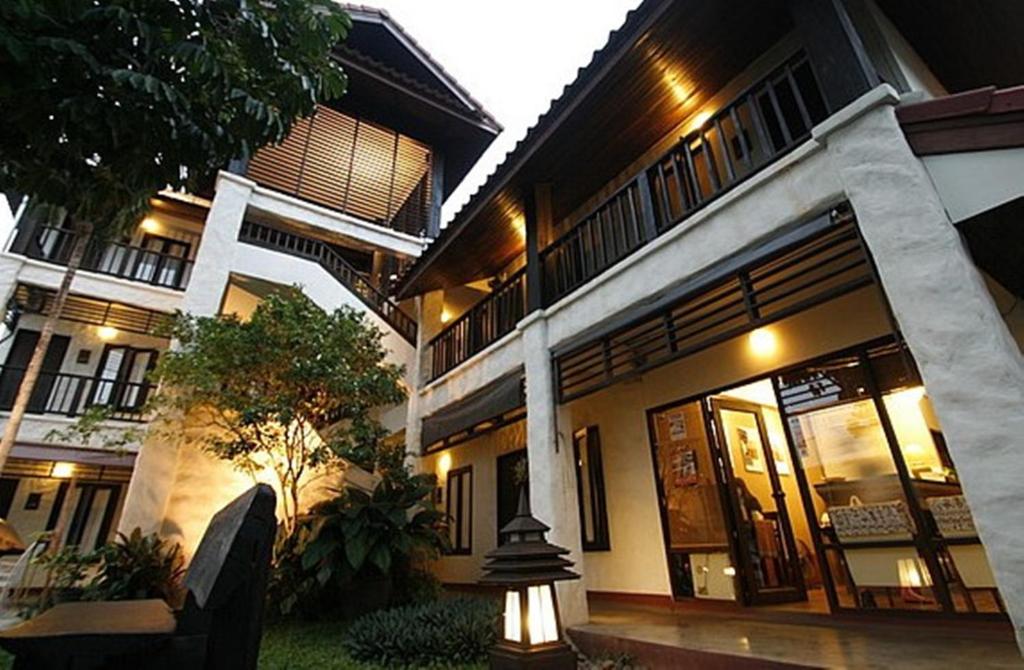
pixel 707 640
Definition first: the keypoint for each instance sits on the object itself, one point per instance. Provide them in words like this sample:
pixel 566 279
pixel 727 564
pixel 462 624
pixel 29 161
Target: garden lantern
pixel 528 566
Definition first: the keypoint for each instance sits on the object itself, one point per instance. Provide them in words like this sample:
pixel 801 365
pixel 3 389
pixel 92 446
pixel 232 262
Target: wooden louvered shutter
pixel 328 156
pixel 280 166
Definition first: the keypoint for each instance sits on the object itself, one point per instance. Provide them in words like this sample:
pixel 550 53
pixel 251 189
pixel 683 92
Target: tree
pixel 292 390
pixel 105 104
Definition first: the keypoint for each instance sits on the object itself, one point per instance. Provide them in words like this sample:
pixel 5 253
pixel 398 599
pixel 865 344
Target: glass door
pixel 770 568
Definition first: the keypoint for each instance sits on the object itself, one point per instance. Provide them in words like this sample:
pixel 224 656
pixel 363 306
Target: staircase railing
pixel 330 260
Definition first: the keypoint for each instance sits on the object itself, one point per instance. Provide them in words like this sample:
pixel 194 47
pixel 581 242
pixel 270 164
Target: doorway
pixel 512 478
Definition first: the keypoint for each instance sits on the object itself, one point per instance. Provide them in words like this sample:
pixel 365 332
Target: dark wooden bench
pixel 219 626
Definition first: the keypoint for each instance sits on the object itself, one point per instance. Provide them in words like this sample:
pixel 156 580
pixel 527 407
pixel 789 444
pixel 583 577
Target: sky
pixel 514 57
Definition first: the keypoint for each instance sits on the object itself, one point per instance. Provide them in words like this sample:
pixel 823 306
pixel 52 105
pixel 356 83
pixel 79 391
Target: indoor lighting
pixel 446 316
pixel 444 464
pixel 527 566
pixel 762 342
pixel 700 120
pixel 63 470
pixel 150 225
pixel 107 333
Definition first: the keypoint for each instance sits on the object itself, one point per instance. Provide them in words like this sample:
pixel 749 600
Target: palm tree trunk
pixel 83 232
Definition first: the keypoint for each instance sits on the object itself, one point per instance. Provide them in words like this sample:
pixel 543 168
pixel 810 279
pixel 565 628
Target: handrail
pixel 330 260
pixel 493 316
pixel 764 122
pixel 72 394
pixel 126 261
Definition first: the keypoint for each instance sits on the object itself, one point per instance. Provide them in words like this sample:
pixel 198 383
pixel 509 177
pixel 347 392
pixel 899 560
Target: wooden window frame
pixel 460 546
pixel 591 436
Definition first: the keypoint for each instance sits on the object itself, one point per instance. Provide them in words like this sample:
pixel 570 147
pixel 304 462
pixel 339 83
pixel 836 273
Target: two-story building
pixel 742 312
pixel 339 208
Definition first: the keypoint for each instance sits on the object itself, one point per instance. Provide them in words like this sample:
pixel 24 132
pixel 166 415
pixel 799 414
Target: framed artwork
pixel 749 442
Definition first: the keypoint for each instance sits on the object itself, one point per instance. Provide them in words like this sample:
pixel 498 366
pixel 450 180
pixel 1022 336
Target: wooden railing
pixel 125 261
pixel 330 260
pixel 71 394
pixel 766 121
pixel 484 323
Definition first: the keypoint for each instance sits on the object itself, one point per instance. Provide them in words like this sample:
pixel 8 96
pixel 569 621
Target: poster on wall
pixel 750 447
pixel 684 467
pixel 676 425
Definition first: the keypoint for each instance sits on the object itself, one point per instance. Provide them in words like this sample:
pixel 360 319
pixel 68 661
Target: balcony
pixel 70 395
pixel 163 268
pixel 761 125
pixel 352 166
pixel 484 323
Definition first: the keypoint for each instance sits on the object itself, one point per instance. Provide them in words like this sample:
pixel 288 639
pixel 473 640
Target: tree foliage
pixel 106 103
pixel 292 389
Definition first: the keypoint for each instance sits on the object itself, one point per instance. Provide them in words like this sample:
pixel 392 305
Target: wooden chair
pixel 219 626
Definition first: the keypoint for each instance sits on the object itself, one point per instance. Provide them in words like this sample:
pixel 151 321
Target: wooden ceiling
pixel 665 62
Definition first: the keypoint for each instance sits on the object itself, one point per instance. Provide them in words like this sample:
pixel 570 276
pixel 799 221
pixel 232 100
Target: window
pixel 586 445
pixel 459 497
pixel 121 377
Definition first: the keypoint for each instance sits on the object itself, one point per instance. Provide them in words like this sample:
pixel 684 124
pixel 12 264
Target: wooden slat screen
pixel 825 267
pixel 353 166
pixel 79 308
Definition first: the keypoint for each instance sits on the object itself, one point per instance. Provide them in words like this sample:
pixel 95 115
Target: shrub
pixel 137 566
pixel 444 632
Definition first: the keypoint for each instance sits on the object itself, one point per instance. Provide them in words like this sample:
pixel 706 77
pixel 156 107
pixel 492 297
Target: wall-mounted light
pixel 446 316
pixel 62 470
pixel 150 225
pixel 763 342
pixel 700 120
pixel 729 571
pixel 444 464
pixel 107 333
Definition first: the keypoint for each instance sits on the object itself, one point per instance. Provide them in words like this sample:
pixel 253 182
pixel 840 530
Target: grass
pixel 295 646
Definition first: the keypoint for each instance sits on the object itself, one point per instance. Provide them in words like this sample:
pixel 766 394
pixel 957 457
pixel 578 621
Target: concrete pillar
pixel 553 497
pixel 156 467
pixel 971 366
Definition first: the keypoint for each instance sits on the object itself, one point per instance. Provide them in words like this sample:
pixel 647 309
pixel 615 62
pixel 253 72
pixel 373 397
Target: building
pixel 340 207
pixel 742 311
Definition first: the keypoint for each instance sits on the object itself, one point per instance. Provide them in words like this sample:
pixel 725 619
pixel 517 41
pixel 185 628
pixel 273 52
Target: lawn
pixel 296 646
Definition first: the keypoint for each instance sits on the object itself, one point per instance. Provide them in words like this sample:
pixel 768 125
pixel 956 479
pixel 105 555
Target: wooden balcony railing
pixel 125 261
pixel 766 121
pixel 484 323
pixel 70 394
pixel 330 260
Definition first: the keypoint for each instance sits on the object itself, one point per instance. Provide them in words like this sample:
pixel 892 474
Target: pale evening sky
pixel 514 57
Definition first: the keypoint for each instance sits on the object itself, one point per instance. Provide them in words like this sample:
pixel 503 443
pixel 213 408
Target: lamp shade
pixel 524 556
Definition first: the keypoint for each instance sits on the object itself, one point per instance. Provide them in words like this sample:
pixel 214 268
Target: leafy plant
pixel 359 532
pixel 291 390
pixel 66 570
pixel 107 103
pixel 440 633
pixel 136 567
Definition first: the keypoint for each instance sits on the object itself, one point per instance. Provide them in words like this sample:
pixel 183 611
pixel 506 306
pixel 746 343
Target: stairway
pixel 320 252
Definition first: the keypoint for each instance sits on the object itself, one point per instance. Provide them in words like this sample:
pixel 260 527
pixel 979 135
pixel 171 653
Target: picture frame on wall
pixel 750 448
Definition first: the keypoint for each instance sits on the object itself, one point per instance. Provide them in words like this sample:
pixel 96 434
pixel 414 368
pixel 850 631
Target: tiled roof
pixel 385 18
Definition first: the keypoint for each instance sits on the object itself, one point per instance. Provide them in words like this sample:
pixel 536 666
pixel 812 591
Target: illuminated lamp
pixel 150 225
pixel 62 470
pixel 527 566
pixel 762 342
pixel 107 333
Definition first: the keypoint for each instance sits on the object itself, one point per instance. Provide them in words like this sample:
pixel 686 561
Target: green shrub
pixel 136 567
pixel 445 632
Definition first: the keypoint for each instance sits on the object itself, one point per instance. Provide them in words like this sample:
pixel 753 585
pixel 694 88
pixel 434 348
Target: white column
pixel 971 366
pixel 553 497
pixel 156 466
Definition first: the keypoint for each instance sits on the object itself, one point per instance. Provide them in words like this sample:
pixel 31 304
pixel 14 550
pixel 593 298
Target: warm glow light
pixel 519 224
pixel 540 615
pixel 444 464
pixel 513 617
pixel 913 573
pixel 700 120
pixel 150 225
pixel 762 342
pixel 729 571
pixel 446 316
pixel 63 470
pixel 107 333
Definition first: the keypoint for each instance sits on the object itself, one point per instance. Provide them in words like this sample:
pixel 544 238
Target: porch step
pixel 596 644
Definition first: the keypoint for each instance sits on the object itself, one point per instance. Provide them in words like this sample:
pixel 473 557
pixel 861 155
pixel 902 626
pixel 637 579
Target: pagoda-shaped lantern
pixel 527 566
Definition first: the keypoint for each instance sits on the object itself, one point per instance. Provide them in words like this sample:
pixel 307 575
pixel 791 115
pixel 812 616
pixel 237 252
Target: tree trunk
pixel 83 232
